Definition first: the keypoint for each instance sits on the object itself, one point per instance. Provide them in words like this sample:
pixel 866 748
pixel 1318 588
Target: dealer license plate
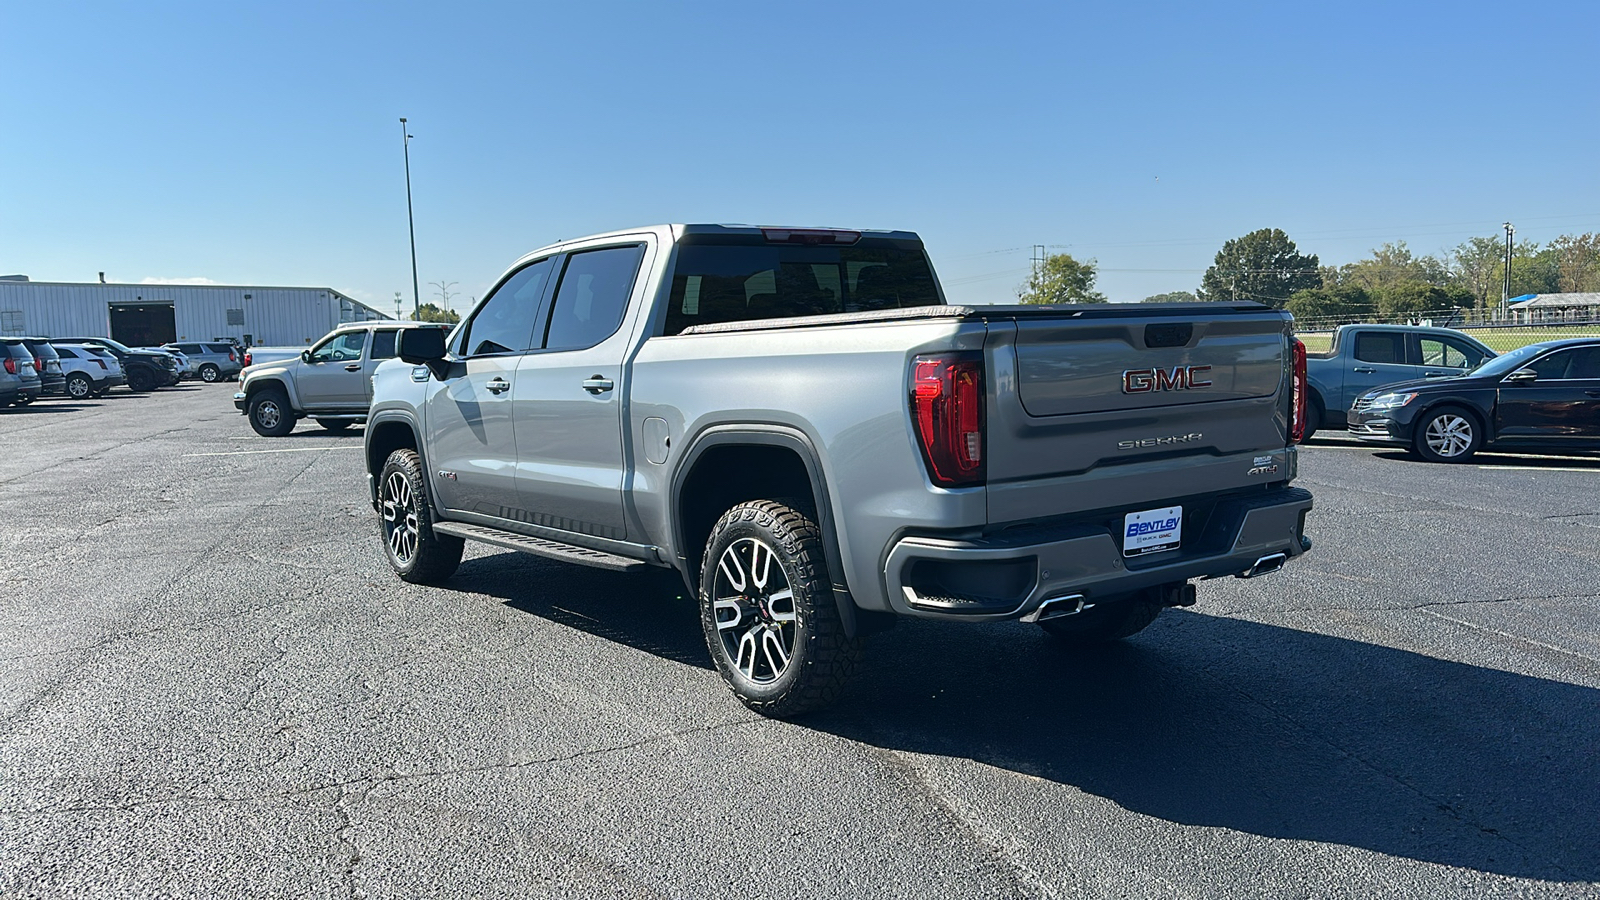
pixel 1152 530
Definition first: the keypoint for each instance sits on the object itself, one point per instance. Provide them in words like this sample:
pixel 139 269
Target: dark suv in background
pixel 146 369
pixel 53 381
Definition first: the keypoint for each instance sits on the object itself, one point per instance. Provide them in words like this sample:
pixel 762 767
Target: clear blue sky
pixel 259 143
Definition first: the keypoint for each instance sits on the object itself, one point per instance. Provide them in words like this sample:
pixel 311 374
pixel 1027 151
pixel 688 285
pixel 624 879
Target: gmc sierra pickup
pixel 795 421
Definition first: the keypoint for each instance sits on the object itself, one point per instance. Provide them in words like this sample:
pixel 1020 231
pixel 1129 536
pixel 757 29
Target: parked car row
pixel 82 367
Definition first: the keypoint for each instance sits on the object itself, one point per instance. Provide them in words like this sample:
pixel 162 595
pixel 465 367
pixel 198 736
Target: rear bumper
pixel 999 578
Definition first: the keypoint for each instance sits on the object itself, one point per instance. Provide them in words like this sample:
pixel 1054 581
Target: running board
pixel 583 556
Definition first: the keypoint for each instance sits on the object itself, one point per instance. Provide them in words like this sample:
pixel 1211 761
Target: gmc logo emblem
pixel 1179 378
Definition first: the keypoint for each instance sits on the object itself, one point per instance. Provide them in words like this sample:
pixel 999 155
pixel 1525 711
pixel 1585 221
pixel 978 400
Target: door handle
pixel 1437 374
pixel 597 384
pixel 498 386
pixel 353 367
pixel 1365 370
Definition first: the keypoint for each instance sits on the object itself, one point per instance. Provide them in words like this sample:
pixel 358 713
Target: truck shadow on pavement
pixel 1267 730
pixel 1202 720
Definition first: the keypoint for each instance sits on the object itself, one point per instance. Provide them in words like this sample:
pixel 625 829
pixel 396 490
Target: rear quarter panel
pixel 844 388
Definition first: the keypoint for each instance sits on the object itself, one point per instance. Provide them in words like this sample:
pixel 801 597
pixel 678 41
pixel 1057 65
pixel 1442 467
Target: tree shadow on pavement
pixel 1201 720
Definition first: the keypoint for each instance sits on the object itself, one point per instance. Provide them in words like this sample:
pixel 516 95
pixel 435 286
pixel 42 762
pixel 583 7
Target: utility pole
pixel 1505 289
pixel 397 315
pixel 444 292
pixel 1038 263
pixel 411 220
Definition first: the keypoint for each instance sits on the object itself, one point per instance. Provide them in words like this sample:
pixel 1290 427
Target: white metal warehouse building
pixel 145 315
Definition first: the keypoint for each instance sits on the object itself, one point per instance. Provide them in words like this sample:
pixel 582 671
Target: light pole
pixel 397 306
pixel 1505 289
pixel 405 141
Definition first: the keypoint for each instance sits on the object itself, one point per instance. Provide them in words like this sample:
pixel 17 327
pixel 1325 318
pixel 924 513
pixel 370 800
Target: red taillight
pixel 38 364
pixel 247 359
pixel 947 408
pixel 231 357
pixel 11 366
pixel 102 364
pixel 1297 426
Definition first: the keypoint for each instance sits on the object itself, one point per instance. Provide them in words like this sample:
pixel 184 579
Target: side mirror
pixel 422 346
pixel 305 356
pixel 1523 376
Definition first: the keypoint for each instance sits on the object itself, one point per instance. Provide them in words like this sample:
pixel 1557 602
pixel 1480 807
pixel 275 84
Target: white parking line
pixel 284 450
pixel 1535 469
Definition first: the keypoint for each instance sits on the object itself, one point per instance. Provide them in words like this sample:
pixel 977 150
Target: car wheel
pixel 79 386
pixel 1314 416
pixel 334 424
pixel 140 381
pixel 1109 620
pixel 210 374
pixel 1447 434
pixel 768 613
pixel 270 415
pixel 405 520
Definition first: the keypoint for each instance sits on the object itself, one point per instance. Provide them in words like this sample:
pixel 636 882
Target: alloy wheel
pixel 268 414
pixel 78 388
pixel 1448 435
pixel 400 521
pixel 755 610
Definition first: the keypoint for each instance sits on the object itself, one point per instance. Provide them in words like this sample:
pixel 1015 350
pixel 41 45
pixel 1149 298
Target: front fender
pixel 272 376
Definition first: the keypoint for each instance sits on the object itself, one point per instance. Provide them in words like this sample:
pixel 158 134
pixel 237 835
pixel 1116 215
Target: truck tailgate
pixel 1090 412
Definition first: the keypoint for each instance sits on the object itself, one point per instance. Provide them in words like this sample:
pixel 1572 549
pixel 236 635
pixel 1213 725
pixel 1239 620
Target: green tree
pixel 432 312
pixel 1264 266
pixel 1410 300
pixel 1061 279
pixel 1394 264
pixel 1476 265
pixel 1332 305
pixel 1578 258
pixel 1171 297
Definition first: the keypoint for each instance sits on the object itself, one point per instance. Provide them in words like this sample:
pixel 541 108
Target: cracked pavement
pixel 212 685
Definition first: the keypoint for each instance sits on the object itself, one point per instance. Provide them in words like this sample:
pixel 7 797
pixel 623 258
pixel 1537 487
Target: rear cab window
pixel 730 278
pixel 1381 347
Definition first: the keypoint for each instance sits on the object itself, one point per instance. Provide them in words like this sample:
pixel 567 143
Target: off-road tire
pixel 210 374
pixel 270 415
pixel 432 557
pixel 1104 622
pixel 79 386
pixel 821 658
pixel 334 424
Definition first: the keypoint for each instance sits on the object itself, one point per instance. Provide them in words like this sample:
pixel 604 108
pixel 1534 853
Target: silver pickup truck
pixel 331 382
pixel 795 421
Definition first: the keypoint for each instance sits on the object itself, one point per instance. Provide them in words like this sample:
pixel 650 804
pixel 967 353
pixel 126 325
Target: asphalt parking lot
pixel 213 686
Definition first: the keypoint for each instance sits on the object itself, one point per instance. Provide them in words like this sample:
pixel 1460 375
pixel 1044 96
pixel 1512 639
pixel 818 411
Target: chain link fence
pixel 1499 336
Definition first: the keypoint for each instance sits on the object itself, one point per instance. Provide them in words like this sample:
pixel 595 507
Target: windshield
pixel 734 281
pixel 1505 365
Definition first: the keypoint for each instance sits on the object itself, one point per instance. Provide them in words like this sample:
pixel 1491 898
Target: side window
pixel 383 344
pixel 1579 362
pixel 1438 352
pixel 592 297
pixel 1380 347
pixel 1473 356
pixel 191 349
pixel 504 323
pixel 343 348
pixel 65 353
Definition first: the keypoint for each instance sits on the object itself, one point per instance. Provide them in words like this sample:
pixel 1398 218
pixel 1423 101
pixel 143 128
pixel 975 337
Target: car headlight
pixel 1391 401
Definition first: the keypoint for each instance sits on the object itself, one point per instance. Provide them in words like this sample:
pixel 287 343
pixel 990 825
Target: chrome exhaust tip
pixel 1058 607
pixel 1266 565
